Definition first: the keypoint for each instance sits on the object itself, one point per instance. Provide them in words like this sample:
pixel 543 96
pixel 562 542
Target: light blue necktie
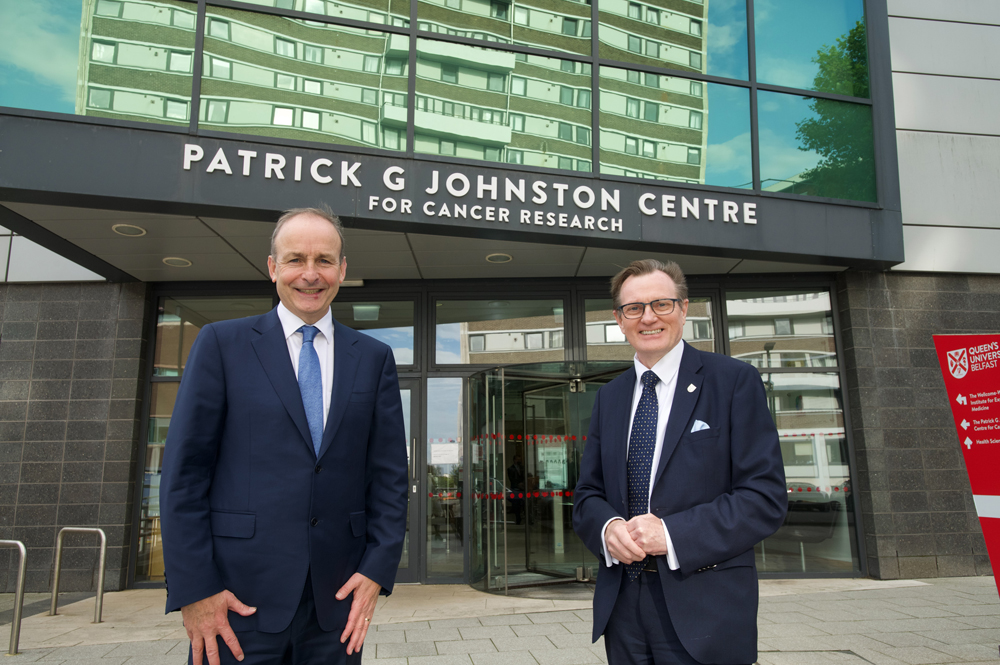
pixel 311 385
pixel 641 445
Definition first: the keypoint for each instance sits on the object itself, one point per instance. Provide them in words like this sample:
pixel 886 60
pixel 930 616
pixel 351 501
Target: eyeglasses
pixel 661 307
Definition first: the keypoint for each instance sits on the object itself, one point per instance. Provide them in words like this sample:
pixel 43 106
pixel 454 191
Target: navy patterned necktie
pixel 641 446
pixel 311 385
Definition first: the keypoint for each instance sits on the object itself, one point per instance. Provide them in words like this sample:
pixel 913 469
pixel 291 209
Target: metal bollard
pixel 100 569
pixel 15 626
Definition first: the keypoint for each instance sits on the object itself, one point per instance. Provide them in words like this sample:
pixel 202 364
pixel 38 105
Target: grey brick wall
pixel 71 369
pixel 919 518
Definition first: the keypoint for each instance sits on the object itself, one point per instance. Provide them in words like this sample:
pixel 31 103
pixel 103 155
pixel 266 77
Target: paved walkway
pixel 802 622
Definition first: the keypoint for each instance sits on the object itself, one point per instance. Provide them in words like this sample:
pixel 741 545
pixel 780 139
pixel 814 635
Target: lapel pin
pixel 692 388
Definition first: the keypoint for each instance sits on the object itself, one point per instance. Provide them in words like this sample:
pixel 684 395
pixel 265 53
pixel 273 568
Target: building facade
pixel 821 171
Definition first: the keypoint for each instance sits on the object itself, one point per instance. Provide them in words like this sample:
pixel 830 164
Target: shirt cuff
pixel 608 559
pixel 672 561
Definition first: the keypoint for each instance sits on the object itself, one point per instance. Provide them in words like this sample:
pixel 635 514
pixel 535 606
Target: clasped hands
pixel 635 539
pixel 207 619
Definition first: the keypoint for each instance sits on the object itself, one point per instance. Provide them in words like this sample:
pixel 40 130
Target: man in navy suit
pixel 681 477
pixel 283 495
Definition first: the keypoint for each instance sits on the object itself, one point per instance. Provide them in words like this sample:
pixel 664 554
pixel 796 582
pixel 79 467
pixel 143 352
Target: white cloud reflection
pixel 42 39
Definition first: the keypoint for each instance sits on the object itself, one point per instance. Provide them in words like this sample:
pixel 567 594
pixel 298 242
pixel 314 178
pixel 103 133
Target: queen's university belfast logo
pixel 958 363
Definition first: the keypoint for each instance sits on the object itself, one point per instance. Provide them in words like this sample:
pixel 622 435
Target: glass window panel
pixel 284 47
pixel 181 319
pixel 387 321
pixel 180 62
pixel 505 326
pixel 340 68
pixel 781 328
pixel 557 25
pixel 445 456
pixel 100 99
pixel 218 28
pixel 176 110
pixel 647 33
pixel 149 557
pixel 103 52
pixel 687 138
pixel 43 70
pixel 819 533
pixel 813 45
pixel 221 69
pixel 605 340
pixel 818 147
pixel 217 111
pixel 476 114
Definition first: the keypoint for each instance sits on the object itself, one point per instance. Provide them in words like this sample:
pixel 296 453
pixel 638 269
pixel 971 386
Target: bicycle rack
pixel 15 626
pixel 100 568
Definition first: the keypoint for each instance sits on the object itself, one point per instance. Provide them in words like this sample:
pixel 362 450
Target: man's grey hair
pixel 645 267
pixel 323 211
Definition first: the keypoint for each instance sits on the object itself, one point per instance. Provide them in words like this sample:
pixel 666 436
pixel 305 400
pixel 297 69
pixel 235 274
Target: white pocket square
pixel 698 426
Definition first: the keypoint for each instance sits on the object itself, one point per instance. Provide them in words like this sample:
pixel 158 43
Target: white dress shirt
pixel 666 370
pixel 323 343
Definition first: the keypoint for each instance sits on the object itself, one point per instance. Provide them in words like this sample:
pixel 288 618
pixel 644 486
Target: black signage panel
pixel 74 163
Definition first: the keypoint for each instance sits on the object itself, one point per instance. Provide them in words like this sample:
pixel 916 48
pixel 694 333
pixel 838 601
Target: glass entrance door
pixel 553 444
pixel 529 425
pixel 409 563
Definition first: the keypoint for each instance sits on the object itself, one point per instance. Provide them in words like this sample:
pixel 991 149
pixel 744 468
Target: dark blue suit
pixel 720 491
pixel 245 504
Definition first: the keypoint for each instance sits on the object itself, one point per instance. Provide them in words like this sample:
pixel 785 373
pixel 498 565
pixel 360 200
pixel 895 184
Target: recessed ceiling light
pixel 128 230
pixel 177 262
pixel 499 257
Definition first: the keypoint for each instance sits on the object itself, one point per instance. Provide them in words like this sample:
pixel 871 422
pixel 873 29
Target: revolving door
pixel 528 426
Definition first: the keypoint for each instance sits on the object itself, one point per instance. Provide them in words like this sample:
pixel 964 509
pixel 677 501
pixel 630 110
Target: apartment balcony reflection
pixel 437 123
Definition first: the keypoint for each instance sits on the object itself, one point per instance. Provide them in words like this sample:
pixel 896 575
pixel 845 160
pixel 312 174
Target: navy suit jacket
pixel 245 504
pixel 720 491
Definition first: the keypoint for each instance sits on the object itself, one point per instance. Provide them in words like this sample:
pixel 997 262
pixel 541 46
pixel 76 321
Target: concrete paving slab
pixel 534 643
pixel 570 641
pixel 405 650
pixel 385 637
pixel 432 634
pixel 583 627
pixel 466 646
pixel 505 620
pixel 155 660
pixel 509 658
pixel 554 617
pixel 542 629
pixel 455 659
pixel 486 632
pixel 565 657
pixel 919 655
pixel 906 640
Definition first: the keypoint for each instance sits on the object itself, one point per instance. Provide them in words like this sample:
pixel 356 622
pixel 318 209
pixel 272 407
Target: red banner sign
pixel 971 368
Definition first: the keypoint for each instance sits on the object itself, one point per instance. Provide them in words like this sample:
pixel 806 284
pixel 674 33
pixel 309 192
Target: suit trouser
pixel 639 630
pixel 302 643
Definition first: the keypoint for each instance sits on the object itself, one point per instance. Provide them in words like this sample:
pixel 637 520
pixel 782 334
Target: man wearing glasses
pixel 681 476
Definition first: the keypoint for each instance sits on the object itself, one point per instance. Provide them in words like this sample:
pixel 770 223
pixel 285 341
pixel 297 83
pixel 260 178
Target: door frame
pixel 413 573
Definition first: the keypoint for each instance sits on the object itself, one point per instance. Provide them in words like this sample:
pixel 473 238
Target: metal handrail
pixel 100 568
pixel 15 626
